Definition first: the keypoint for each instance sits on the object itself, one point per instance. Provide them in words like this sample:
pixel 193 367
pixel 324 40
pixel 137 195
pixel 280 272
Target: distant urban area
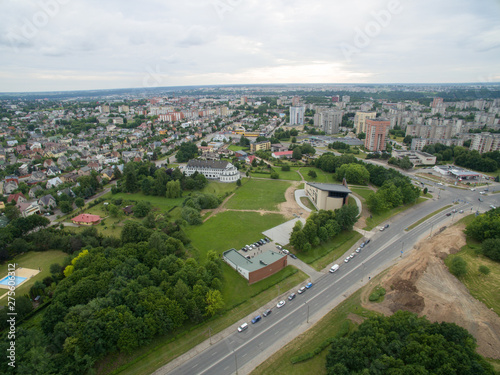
pixel 169 230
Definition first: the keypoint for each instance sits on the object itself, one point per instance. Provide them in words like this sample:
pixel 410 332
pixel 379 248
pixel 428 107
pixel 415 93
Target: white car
pixel 347 259
pixel 285 251
pixel 352 255
pixel 280 304
pixel 358 249
pixel 334 268
pixel 301 290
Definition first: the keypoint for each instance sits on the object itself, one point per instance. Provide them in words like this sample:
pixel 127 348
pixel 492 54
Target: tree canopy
pixel 406 344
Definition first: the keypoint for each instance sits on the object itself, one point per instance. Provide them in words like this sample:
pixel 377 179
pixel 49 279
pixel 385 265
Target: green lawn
pixel 329 326
pixel 380 218
pixel 238 148
pixel 230 229
pixel 322 177
pixel 164 204
pixel 259 195
pixel 485 288
pixel 289 175
pixel 219 188
pixel 33 260
pixel 307 202
pixel 362 192
pixel 319 257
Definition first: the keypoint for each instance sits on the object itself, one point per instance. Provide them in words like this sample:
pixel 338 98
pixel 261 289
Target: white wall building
pixel 222 171
pixel 297 115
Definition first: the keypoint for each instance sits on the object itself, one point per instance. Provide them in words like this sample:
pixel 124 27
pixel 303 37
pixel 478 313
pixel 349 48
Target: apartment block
pixel 328 121
pixel 376 132
pixel 485 142
pixel 297 115
pixel 360 120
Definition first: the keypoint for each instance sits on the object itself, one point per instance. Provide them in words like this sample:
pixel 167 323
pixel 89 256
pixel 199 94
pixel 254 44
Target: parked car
pixel 358 249
pixel 386 226
pixel 492 207
pixel 267 312
pixel 285 251
pixel 256 319
pixel 242 327
pixel 461 211
pixel 291 296
pixel 480 199
pixel 293 256
pixel 309 285
pixel 334 268
pixel 352 255
pixel 279 247
pixel 280 304
pixel 347 259
pixel 362 245
pixel 301 290
pixel 448 214
pixel 367 241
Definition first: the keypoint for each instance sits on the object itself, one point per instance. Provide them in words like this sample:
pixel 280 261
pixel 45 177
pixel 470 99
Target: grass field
pixel 322 177
pixel 380 218
pixel 329 326
pixel 237 148
pixel 307 202
pixel 164 204
pixel 259 195
pixel 33 260
pixel 228 230
pixel 166 348
pixel 362 192
pixel 486 288
pixel 321 256
pixel 290 175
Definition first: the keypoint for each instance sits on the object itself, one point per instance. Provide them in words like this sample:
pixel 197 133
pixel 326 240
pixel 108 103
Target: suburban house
pixel 28 208
pixel 47 202
pixel 282 154
pixel 213 170
pixel 54 182
pixel 327 196
pixel 33 190
pixel 9 187
pixel 86 219
pixel 17 197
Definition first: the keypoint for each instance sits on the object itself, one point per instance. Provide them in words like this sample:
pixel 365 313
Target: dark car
pixel 291 296
pixel 448 214
pixel 256 319
pixel 293 256
pixel 367 241
pixel 267 312
pixel 386 226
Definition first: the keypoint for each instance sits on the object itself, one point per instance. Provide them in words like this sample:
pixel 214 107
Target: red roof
pixel 15 197
pixel 283 153
pixel 86 218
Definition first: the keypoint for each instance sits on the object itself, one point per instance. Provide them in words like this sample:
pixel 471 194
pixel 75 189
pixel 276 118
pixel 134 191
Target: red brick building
pixel 376 132
pixel 257 268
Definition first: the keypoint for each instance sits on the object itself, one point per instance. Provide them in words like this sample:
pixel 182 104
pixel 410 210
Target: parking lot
pixel 259 249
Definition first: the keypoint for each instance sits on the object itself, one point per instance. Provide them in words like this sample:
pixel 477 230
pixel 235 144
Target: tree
pixel 294 140
pixel 214 301
pixel 491 248
pixel 347 216
pixel 405 344
pixel 12 212
pixel 66 207
pixel 275 175
pixel 458 266
pixel 297 153
pixel 353 173
pixel 173 189
pixel 312 174
pixel 79 202
pixel 191 215
pixel 186 152
pixel 425 190
pixel 238 183
pixel 142 208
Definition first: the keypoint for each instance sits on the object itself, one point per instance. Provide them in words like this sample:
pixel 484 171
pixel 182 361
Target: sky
pixel 55 45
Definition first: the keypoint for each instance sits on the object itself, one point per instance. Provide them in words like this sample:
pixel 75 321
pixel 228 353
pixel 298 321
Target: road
pixel 386 247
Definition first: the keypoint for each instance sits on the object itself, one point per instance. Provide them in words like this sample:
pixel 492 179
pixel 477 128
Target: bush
pixel 458 266
pixel 377 294
pixel 484 270
pixel 275 175
pixel 285 168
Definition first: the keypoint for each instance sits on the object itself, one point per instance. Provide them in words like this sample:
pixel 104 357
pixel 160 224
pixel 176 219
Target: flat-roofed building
pixel 327 196
pixel 257 267
pixel 261 146
pixel 416 157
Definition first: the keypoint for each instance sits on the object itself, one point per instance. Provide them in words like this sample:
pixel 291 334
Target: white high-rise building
pixel 297 115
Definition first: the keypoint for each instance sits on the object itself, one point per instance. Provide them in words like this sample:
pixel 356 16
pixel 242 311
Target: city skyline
pixel 59 45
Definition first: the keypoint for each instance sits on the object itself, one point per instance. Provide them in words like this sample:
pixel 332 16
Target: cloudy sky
pixel 50 45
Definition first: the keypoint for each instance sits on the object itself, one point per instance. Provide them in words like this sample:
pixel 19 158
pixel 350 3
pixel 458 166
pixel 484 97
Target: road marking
pixel 214 354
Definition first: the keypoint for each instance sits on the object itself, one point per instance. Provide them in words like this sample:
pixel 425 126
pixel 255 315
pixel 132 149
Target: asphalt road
pixel 385 247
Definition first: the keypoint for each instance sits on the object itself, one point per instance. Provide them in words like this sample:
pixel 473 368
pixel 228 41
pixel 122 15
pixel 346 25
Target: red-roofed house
pixel 282 154
pixel 86 219
pixel 18 197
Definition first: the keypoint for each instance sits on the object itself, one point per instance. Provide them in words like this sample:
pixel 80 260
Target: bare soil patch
pixel 421 283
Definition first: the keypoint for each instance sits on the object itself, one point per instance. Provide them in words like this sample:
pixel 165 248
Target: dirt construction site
pixel 421 283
